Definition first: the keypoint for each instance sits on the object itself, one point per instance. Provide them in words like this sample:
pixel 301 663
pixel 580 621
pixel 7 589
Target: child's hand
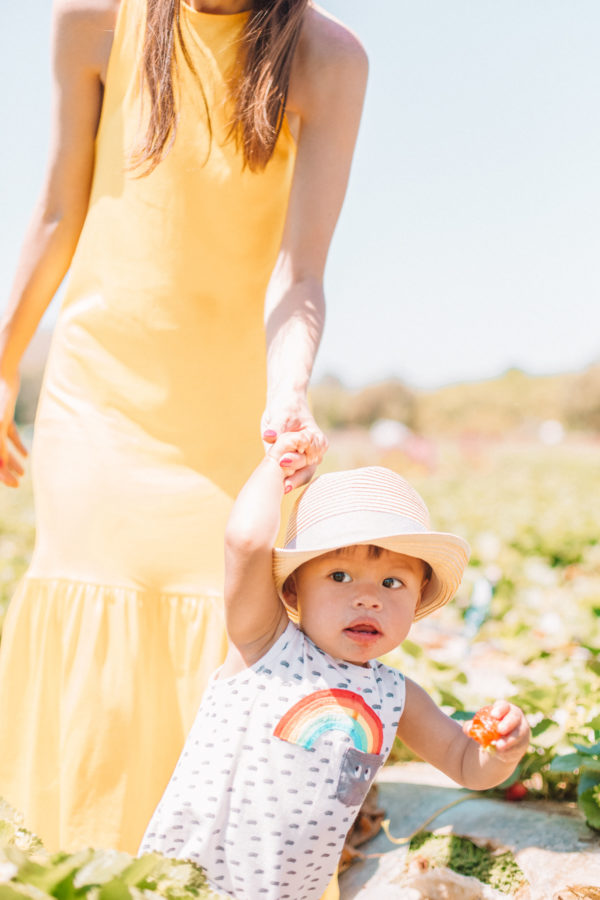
pixel 295 450
pixel 502 726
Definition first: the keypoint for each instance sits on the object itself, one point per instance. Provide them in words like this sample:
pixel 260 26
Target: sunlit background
pixel 467 250
pixel 470 237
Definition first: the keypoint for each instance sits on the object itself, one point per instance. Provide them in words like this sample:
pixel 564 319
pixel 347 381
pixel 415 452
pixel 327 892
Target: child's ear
pixel 289 592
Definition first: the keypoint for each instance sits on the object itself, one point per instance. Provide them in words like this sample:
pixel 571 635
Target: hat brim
pixel 447 554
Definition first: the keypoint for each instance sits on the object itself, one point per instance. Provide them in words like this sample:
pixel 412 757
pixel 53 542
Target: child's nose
pixel 367 597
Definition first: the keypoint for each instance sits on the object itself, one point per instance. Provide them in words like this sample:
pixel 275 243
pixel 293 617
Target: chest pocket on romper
pixel 356 775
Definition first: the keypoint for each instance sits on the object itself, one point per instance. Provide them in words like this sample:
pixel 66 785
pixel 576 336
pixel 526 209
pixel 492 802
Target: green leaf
pixel 462 715
pixel 587 749
pixel 587 780
pixel 101 868
pixel 60 868
pixel 512 779
pixel 542 726
pixel 568 763
pixel 448 699
pixel 588 804
pixel 19 891
pixel 412 649
pixel 114 890
pixel 140 869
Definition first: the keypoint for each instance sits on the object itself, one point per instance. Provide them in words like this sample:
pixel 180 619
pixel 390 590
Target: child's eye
pixel 393 583
pixel 340 576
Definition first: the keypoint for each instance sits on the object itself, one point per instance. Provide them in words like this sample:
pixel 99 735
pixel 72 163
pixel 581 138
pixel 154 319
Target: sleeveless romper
pixel 148 425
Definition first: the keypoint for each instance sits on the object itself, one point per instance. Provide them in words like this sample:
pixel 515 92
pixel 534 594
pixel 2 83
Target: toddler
pixel 296 723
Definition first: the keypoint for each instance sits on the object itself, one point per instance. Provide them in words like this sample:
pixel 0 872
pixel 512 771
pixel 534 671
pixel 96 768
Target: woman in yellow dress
pixel 199 159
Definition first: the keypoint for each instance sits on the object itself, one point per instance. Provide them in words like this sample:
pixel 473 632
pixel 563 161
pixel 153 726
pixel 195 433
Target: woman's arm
pixel 439 740
pixel 326 98
pixel 81 38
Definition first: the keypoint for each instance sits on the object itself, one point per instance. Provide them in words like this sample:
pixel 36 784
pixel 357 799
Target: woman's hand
pixel 294 416
pixel 10 467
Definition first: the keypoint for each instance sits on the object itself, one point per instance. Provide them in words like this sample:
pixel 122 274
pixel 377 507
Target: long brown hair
pixel 258 90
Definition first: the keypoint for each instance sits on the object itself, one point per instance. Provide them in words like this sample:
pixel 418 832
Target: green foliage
pixel 530 514
pixel 513 402
pixel 583 401
pixel 585 764
pixel 99 875
pixel 336 407
pixel 27 870
pixel 497 869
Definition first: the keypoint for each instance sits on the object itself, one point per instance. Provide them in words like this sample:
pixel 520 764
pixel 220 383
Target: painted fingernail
pixel 285 461
pixel 269 433
pixel 287 488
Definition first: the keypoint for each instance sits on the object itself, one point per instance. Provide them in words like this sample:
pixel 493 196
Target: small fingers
pixel 293 442
pixel 500 708
pixel 313 444
pixel 318 448
pixel 300 477
pixel 513 727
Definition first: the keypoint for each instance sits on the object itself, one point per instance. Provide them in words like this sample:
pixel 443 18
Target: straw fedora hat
pixel 372 505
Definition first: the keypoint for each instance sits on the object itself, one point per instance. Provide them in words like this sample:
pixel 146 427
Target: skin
pixel 353 605
pixel 326 95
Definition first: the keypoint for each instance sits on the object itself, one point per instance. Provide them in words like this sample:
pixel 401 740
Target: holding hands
pixel 298 453
pixel 294 439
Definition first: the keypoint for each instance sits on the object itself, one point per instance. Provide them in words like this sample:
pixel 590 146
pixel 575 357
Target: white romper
pixel 275 769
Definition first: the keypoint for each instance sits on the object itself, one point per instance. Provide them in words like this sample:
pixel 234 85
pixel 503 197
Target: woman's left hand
pixel 295 415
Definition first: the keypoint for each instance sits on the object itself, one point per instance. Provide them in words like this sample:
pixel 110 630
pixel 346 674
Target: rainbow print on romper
pixel 332 710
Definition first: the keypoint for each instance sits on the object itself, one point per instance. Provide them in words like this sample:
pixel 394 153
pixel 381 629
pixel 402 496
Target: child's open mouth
pixel 363 632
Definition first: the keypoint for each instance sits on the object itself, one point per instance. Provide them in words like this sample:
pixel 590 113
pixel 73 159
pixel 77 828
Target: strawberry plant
pixel 584 761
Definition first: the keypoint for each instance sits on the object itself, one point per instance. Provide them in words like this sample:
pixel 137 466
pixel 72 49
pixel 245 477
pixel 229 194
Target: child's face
pixel 355 605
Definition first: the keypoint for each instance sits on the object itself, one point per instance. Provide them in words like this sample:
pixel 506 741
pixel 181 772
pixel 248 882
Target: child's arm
pixel 255 615
pixel 441 741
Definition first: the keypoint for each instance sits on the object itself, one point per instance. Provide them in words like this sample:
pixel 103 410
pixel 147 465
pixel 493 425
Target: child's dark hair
pixel 374 553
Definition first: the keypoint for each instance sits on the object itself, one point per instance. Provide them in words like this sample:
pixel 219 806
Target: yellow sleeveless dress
pixel 148 425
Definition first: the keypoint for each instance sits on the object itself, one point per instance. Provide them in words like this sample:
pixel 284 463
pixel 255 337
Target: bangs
pixel 373 551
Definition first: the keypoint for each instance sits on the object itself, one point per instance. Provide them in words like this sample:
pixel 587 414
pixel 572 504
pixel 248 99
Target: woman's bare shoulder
pixel 329 57
pixel 90 12
pixel 88 25
pixel 325 38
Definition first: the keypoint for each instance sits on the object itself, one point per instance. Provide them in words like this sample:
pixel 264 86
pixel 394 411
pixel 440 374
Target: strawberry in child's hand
pixel 484 727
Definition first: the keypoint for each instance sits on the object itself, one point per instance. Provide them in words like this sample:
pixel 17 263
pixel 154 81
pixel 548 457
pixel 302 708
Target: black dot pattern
pixel 267 816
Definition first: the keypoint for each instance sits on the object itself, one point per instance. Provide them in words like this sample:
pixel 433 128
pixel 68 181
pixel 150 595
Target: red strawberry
pixel 516 791
pixel 484 728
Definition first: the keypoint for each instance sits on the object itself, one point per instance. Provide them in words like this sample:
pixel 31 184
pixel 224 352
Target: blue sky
pixel 469 241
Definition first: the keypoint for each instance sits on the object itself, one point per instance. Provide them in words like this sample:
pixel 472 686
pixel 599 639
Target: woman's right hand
pixel 10 466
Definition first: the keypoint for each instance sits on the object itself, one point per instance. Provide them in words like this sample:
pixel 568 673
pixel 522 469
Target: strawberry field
pixel 526 622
